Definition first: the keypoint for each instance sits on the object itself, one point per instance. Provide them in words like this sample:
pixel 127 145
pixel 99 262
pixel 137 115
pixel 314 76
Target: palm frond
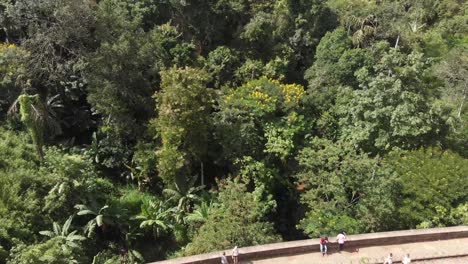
pixel 172 194
pixel 14 108
pixel 66 226
pixel 72 244
pixel 57 229
pixel 47 233
pixel 76 238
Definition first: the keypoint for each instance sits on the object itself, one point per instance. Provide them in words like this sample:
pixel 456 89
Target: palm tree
pixel 366 29
pixel 39 117
pixel 70 238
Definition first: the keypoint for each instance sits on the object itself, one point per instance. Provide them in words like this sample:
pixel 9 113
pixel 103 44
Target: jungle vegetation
pixel 141 130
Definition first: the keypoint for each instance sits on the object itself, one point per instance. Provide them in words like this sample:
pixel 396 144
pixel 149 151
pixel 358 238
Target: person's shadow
pixel 334 251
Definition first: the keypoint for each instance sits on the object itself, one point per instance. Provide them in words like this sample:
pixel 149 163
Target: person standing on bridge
pixel 406 259
pixel 323 245
pixel 341 238
pixel 224 259
pixel 389 259
pixel 235 255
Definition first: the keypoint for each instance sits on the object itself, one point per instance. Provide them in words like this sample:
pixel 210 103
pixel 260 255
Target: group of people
pixel 405 260
pixel 340 238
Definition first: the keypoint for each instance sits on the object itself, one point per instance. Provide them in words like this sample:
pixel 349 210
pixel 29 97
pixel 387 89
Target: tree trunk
pixel 462 103
pixel 397 40
pixel 40 151
pixel 202 174
pixel 7 37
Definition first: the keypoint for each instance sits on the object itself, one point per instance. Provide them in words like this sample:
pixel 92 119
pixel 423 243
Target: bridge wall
pixel 312 245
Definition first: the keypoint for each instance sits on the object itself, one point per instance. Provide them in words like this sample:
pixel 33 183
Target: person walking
pixel 406 259
pixel 389 259
pixel 224 259
pixel 235 255
pixel 323 245
pixel 341 238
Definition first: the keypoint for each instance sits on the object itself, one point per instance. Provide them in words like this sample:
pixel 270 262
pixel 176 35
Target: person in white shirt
pixel 224 259
pixel 341 238
pixel 235 255
pixel 389 259
pixel 406 259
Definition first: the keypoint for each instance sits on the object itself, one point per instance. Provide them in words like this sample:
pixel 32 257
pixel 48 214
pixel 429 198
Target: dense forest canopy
pixel 140 130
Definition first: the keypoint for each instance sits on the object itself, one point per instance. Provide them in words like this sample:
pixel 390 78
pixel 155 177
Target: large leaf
pixel 86 212
pixel 137 255
pixel 99 220
pixel 103 208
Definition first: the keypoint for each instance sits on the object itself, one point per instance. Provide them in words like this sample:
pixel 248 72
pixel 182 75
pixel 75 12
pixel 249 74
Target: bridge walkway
pixel 441 251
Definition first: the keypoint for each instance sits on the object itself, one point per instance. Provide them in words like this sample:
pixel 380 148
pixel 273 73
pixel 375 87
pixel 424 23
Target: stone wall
pixel 312 245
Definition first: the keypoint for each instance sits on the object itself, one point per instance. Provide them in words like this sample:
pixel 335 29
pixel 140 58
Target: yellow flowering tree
pixel 250 117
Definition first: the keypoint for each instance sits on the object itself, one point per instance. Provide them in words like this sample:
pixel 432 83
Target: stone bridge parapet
pixel 312 245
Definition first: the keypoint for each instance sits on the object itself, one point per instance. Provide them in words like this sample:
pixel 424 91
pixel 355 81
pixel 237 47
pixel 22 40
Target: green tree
pixel 56 36
pixel 453 71
pixel 329 52
pixel 119 87
pixel 123 74
pixel 393 107
pixel 344 190
pixel 184 106
pixel 239 220
pixel 221 63
pixel 430 180
pixel 334 69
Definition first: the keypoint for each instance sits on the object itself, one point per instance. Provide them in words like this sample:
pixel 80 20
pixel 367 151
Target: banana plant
pixel 200 213
pixel 184 193
pixel 70 238
pixel 101 217
pixel 155 216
